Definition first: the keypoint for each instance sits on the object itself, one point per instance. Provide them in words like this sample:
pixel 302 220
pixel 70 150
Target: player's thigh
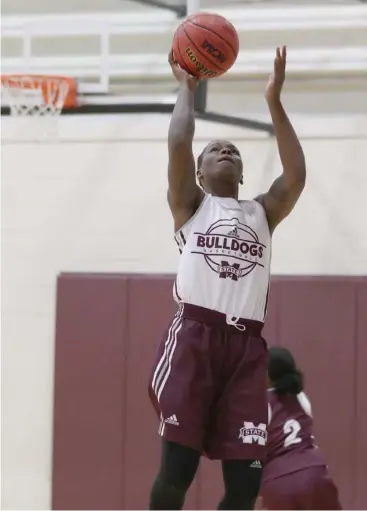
pixel 181 384
pixel 310 488
pixel 320 491
pixel 279 494
pixel 240 419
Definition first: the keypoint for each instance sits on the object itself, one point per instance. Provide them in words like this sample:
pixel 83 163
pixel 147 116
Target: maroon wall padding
pixel 317 321
pixel 106 448
pixel 90 392
pixel 360 437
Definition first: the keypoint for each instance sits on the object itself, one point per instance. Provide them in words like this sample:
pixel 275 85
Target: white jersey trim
pixel 305 403
pixel 265 215
pixel 191 219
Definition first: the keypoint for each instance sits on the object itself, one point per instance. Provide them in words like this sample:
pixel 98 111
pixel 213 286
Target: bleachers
pixel 101 47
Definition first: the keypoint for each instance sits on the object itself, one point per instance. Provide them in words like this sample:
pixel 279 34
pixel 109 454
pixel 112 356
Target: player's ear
pixel 199 176
pixel 241 180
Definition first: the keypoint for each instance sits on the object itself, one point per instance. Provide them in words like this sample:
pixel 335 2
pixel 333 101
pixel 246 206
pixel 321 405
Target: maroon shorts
pixel 310 488
pixel 209 385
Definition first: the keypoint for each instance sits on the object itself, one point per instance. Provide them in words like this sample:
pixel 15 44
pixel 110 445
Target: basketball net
pixel 36 103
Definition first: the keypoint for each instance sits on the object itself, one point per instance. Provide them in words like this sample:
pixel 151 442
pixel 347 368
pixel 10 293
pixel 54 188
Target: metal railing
pixel 96 71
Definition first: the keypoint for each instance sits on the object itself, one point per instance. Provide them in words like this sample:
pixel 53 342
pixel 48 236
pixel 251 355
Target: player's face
pixel 222 159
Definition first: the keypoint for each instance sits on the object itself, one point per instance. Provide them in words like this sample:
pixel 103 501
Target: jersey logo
pixel 231 271
pixel 251 434
pixel 230 248
pixel 234 233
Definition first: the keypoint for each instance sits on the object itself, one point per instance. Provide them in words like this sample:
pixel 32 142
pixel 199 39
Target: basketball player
pixel 295 475
pixel 209 381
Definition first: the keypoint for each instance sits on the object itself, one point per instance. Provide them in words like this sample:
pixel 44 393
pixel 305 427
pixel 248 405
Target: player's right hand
pixel 180 74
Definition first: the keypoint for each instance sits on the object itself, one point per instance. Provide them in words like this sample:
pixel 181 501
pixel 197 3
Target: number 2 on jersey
pixel 291 429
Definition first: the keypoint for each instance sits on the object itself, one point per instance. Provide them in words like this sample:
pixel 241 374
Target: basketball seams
pixel 177 39
pixel 206 57
pixel 198 25
pixel 182 59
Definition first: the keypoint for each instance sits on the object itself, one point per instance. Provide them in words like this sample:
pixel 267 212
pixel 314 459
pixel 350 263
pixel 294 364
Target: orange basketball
pixel 206 45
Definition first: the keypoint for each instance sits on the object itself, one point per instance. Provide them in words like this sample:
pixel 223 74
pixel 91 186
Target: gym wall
pixel 106 447
pixel 95 202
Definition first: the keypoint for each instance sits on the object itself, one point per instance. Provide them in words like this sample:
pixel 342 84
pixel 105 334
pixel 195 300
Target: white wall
pixel 95 201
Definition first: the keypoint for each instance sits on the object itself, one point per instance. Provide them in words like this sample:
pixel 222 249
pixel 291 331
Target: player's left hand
pixel 277 77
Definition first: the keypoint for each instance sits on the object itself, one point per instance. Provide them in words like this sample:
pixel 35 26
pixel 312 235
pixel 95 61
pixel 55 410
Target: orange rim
pixel 49 84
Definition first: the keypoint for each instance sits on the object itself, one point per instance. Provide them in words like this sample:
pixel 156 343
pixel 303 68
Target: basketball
pixel 205 45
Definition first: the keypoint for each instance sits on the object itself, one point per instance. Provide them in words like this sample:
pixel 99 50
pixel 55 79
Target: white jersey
pixel 225 258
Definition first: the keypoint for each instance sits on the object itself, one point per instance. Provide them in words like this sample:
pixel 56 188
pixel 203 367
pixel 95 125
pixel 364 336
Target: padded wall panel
pixel 106 447
pixel 360 437
pixel 89 407
pixel 317 322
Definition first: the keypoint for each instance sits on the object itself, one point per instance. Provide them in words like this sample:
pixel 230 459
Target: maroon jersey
pixel 290 444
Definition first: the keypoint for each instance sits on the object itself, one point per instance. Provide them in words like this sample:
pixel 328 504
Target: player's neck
pixel 225 190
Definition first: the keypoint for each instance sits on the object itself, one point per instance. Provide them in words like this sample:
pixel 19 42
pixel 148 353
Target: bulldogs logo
pixel 231 248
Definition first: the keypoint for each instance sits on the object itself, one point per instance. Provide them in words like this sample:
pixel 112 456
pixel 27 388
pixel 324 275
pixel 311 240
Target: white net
pixel 35 105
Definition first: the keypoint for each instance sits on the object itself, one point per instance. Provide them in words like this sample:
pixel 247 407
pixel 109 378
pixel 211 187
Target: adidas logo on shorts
pixel 172 420
pixel 256 464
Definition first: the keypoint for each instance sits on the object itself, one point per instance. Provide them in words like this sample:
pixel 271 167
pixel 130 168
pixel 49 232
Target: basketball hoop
pixel 38 101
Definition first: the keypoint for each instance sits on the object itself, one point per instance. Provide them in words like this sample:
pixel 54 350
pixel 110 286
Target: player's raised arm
pixel 184 195
pixel 286 189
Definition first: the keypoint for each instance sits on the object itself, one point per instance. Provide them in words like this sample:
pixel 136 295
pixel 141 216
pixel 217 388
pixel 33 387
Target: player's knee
pixel 177 471
pixel 166 495
pixel 242 480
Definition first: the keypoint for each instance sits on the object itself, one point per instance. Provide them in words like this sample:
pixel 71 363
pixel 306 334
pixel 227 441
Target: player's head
pixel 219 166
pixel 283 374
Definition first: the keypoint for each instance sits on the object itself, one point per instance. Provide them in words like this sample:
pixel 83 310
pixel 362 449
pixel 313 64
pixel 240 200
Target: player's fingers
pixel 277 60
pixel 277 66
pixel 171 58
pixel 280 61
pixel 284 55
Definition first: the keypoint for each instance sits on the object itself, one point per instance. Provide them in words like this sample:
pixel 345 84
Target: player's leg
pixel 181 383
pixel 309 488
pixel 329 496
pixel 242 479
pixel 181 391
pixel 281 493
pixel 239 422
pixel 177 471
pixel 318 489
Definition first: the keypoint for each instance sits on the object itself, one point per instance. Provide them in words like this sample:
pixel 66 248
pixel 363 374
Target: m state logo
pixel 230 248
pixel 251 434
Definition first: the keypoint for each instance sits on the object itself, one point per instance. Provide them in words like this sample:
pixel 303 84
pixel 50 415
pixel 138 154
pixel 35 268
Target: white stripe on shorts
pixel 163 368
pixel 161 426
pixel 160 389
